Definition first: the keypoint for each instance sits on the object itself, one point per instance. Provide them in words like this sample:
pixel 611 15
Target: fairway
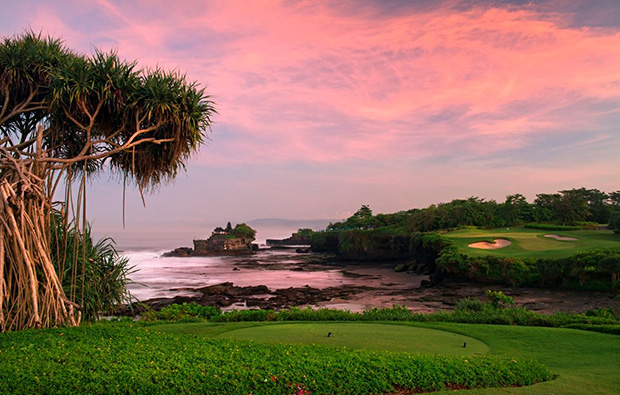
pixel 389 337
pixel 585 362
pixel 532 243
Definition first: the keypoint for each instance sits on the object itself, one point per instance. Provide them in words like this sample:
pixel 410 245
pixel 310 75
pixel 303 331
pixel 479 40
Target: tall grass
pixel 93 274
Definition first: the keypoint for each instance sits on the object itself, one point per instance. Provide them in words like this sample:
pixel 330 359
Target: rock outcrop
pixel 220 244
pixel 229 241
pixel 227 294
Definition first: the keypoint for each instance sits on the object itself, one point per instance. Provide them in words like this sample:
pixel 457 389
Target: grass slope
pixel 531 243
pixel 586 362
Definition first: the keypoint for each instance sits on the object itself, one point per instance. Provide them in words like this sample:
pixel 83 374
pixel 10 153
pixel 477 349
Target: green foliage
pixel 586 225
pixel 93 105
pixel 610 264
pixel 120 358
pixel 186 312
pixel 498 300
pixel 604 313
pixel 541 226
pixel 92 274
pixel 498 309
pixel 305 233
pixel 243 231
pixel 614 221
pixel 364 212
pixel 610 329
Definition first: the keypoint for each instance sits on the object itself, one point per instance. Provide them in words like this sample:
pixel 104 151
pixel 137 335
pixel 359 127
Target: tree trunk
pixel 31 295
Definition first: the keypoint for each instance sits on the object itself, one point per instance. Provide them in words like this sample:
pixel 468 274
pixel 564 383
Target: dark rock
pixel 179 252
pixel 227 294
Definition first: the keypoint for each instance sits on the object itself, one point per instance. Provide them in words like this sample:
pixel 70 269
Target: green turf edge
pixel 124 358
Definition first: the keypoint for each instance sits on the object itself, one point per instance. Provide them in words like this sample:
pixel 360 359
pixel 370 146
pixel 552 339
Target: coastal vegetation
pixel 498 309
pixel 243 231
pixel 441 239
pixel 305 351
pixel 577 208
pixel 64 118
pixel 101 283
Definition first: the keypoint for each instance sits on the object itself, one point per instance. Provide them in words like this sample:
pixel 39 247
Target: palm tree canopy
pixel 97 110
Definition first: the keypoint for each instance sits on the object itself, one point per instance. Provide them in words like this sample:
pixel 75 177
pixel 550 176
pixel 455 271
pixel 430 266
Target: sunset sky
pixel 328 105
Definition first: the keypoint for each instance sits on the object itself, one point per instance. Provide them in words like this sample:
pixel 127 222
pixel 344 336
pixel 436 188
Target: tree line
pixel 571 207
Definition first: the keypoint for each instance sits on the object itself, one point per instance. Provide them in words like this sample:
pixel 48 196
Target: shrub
pixel 610 264
pixel 584 225
pixel 498 300
pixel 93 275
pixel 609 329
pixel 600 312
pixel 182 312
pixel 536 225
pixel 470 305
pixel 243 231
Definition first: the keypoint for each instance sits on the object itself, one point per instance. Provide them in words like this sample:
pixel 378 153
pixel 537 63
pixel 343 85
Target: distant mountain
pixel 315 224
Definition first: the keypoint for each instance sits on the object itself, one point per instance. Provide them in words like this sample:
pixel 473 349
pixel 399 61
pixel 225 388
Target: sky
pixel 324 106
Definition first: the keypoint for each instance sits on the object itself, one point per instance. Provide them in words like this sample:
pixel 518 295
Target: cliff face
pixel 362 245
pixel 222 245
pixel 294 240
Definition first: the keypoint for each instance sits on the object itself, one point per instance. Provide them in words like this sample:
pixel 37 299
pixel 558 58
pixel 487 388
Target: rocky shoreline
pixel 366 286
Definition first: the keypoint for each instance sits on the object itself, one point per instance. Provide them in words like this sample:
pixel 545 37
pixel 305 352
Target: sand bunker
pixel 485 245
pixel 562 238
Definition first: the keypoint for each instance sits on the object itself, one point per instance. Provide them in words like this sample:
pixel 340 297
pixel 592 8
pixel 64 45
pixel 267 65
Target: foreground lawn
pixel 132 359
pixel 532 243
pixel 585 362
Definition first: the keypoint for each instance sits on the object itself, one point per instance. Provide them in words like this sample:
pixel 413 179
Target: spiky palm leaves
pixel 65 117
pixel 93 273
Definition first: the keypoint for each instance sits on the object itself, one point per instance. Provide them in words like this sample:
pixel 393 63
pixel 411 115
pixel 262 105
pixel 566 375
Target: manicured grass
pixel 130 359
pixel 531 243
pixel 585 362
pixel 371 336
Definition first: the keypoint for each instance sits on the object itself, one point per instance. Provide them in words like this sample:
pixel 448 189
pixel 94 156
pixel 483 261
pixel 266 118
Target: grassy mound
pixel 121 358
pixel 369 336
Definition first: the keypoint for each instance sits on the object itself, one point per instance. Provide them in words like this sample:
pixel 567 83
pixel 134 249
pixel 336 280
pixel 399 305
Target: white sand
pixel 562 238
pixel 485 245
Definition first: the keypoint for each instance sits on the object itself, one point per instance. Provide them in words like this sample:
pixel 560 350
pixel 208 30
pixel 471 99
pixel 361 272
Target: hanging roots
pixel 31 294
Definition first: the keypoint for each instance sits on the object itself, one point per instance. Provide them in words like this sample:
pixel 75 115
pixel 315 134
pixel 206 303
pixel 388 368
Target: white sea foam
pixel 156 276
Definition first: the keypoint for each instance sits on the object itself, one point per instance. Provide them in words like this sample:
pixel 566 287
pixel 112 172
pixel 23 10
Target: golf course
pixel 584 362
pixel 300 358
pixel 533 243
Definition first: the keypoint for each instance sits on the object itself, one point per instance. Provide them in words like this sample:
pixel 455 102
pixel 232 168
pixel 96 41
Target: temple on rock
pixel 223 241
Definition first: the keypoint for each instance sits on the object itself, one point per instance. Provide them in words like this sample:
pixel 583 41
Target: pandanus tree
pixel 64 118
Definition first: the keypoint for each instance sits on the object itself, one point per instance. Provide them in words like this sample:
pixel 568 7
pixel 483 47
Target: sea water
pixel 155 276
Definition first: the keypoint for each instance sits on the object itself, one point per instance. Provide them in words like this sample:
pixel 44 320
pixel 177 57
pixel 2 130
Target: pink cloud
pixel 304 81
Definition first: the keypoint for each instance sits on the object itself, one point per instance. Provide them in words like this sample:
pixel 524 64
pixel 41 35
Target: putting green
pixel 363 336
